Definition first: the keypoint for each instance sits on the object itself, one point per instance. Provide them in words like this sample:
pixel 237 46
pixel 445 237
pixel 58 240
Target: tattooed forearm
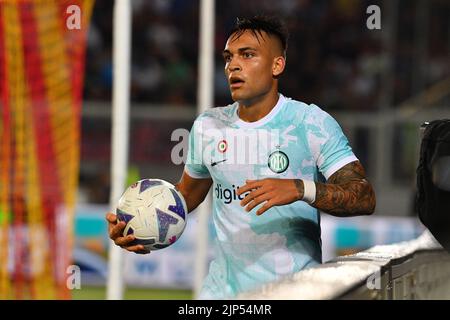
pixel 300 188
pixel 346 193
pixel 348 199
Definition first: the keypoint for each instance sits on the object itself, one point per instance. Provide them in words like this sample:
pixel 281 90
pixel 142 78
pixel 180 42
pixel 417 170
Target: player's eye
pixel 249 54
pixel 227 58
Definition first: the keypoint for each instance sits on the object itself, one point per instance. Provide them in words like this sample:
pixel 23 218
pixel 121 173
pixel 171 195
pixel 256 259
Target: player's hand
pixel 115 230
pixel 274 192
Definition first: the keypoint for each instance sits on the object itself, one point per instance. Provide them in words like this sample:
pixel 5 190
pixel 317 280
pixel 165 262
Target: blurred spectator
pixel 334 60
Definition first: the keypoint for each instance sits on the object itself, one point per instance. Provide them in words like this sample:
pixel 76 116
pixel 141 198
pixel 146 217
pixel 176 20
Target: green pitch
pixel 99 293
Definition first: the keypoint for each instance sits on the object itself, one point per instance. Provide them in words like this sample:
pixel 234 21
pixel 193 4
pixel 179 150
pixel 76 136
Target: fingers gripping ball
pixel 154 211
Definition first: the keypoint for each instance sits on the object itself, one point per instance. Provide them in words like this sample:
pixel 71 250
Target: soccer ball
pixel 155 212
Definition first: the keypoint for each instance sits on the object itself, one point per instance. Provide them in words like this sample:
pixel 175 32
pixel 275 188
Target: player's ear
pixel 278 66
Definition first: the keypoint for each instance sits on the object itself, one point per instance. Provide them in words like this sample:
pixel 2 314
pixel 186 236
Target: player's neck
pixel 258 108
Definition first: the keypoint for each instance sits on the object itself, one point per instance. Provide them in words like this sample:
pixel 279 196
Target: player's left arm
pixel 346 193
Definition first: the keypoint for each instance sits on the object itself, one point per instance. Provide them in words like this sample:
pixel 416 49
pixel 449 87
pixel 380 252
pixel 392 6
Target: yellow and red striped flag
pixel 42 49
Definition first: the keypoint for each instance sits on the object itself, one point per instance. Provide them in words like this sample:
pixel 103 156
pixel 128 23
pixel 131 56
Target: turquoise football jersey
pixel 293 141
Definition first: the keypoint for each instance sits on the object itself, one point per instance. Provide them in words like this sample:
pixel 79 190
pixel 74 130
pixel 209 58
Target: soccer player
pixel 274 163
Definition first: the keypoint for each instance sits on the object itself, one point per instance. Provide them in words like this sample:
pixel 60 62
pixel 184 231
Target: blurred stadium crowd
pixel 333 59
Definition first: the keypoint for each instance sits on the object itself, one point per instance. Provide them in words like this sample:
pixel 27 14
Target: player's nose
pixel 234 66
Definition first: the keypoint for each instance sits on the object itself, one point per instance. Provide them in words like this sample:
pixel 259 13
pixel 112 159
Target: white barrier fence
pixel 416 269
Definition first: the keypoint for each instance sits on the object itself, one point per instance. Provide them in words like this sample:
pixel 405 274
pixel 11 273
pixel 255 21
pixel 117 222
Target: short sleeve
pixel 194 163
pixel 328 144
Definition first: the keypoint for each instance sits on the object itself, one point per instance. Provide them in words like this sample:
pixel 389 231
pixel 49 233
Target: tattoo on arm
pixel 346 193
pixel 300 188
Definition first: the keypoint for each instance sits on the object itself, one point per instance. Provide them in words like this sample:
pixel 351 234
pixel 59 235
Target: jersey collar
pixel 243 124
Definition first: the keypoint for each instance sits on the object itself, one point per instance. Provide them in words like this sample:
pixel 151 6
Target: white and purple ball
pixel 155 212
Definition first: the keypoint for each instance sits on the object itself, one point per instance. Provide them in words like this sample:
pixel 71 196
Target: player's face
pixel 249 65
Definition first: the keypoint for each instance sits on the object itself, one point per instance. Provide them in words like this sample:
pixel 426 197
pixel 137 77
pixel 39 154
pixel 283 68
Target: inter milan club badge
pixel 222 146
pixel 278 161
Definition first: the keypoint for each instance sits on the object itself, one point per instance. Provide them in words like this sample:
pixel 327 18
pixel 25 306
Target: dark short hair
pixel 257 24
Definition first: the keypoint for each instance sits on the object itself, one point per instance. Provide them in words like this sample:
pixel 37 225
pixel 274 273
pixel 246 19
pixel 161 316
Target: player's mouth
pixel 236 82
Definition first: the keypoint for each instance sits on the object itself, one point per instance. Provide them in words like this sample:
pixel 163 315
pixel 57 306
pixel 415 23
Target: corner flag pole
pixel 205 97
pixel 120 132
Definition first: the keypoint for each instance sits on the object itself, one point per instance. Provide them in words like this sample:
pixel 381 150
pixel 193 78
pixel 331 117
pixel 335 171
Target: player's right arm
pixel 196 179
pixel 193 186
pixel 194 192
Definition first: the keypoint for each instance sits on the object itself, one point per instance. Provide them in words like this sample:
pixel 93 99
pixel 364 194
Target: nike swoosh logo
pixel 217 162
